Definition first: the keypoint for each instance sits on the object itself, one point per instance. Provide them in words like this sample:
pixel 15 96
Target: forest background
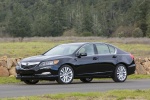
pixel 106 18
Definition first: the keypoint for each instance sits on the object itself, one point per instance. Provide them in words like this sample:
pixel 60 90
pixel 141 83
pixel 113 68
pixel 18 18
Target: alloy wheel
pixel 66 74
pixel 120 73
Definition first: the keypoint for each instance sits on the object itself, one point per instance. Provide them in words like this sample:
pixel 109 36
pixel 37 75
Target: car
pixel 83 61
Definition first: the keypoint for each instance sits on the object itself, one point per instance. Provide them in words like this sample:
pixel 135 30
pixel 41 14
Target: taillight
pixel 131 56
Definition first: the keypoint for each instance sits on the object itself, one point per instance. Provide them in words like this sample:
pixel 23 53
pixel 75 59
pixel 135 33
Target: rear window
pixel 112 49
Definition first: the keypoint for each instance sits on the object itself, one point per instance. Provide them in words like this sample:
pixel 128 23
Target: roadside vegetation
pixel 8 80
pixel 110 18
pixel 134 76
pixel 110 95
pixel 11 47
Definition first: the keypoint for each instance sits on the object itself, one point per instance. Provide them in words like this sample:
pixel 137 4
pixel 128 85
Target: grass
pixel 8 80
pixel 138 50
pixel 10 47
pixel 134 76
pixel 110 95
pixel 80 39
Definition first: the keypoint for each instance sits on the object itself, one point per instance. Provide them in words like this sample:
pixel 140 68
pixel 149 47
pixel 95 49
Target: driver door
pixel 85 64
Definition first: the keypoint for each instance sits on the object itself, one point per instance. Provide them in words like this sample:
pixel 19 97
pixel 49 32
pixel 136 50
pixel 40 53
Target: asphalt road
pixel 16 90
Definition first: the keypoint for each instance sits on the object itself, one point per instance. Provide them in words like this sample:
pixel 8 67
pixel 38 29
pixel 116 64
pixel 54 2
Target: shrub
pixel 123 31
pixel 86 34
pixel 148 35
pixel 148 28
pixel 137 32
pixel 70 32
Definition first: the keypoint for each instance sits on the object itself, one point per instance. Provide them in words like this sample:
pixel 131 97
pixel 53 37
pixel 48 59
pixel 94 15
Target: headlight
pixel 18 65
pixel 47 63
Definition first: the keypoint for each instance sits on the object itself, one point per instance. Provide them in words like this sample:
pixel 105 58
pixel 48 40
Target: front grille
pixel 28 67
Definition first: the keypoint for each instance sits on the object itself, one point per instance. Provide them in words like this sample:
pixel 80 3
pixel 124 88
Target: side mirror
pixel 81 54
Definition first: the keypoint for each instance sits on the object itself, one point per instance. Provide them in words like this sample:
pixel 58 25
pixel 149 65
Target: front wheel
pixel 120 74
pixel 66 75
pixel 86 80
pixel 31 81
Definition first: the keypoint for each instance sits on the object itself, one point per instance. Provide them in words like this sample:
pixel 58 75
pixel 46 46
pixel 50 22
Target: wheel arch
pixel 71 65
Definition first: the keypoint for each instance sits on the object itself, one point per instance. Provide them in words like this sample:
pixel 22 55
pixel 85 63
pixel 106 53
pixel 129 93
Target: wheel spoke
pixel 67 69
pixel 62 71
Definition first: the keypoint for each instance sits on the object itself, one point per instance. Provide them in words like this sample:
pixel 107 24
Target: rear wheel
pixel 86 80
pixel 120 73
pixel 66 75
pixel 31 81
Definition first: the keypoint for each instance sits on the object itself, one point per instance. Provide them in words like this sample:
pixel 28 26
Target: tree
pixel 53 17
pixel 19 25
pixel 57 20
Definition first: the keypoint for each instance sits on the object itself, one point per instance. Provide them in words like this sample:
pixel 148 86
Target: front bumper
pixel 40 73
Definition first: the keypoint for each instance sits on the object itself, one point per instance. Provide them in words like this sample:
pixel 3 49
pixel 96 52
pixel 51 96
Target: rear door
pixel 106 58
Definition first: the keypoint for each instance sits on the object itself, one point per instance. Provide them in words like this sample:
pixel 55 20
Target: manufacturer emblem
pixel 27 64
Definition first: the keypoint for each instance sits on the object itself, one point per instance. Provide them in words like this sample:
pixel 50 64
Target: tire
pixel 31 81
pixel 86 80
pixel 65 75
pixel 120 74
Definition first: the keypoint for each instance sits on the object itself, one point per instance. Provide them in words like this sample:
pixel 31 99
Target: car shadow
pixel 75 82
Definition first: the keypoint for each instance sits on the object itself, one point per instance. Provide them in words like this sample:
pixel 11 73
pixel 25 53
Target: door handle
pixel 114 56
pixel 95 58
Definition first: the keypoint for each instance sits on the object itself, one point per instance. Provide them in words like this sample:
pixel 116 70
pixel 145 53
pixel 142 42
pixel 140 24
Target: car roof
pixel 76 43
pixel 82 43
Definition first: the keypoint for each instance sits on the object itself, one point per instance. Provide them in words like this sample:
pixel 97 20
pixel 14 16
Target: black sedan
pixel 83 61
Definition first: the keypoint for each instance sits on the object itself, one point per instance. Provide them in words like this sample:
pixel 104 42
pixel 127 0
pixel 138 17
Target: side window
pixel 87 49
pixel 102 49
pixel 112 49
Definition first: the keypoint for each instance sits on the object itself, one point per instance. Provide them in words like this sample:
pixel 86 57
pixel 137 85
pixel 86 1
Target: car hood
pixel 40 58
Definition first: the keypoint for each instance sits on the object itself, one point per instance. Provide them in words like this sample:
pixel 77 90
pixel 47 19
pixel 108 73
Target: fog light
pixel 45 73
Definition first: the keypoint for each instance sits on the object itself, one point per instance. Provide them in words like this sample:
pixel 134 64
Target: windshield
pixel 64 49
